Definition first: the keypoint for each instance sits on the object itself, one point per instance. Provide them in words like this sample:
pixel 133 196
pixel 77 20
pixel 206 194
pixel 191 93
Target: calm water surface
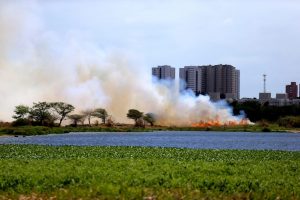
pixel 182 139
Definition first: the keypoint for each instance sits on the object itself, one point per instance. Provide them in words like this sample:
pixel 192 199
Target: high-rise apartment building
pixel 218 81
pixel 237 83
pixel 164 72
pixel 191 77
pixel 292 90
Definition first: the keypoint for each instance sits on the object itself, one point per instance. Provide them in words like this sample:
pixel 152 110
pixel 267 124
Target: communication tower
pixel 265 79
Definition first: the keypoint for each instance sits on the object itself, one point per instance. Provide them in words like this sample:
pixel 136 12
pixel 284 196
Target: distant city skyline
pixel 273 93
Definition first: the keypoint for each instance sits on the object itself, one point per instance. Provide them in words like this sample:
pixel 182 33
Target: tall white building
pixel 164 72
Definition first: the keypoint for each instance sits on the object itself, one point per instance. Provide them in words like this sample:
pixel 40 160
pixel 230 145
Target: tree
pixel 88 113
pixel 135 115
pixel 100 113
pixel 75 118
pixel 62 109
pixel 21 116
pixel 50 121
pixel 110 121
pixel 40 112
pixel 150 118
pixel 21 112
pixel 252 110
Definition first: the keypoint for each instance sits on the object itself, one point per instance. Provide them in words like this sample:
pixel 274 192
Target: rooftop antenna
pixel 265 78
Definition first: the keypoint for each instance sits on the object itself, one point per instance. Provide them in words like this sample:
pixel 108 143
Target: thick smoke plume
pixel 37 64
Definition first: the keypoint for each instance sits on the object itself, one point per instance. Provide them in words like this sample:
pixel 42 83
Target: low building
pixel 284 102
pixel 244 99
pixel 264 96
pixel 280 100
pixel 281 96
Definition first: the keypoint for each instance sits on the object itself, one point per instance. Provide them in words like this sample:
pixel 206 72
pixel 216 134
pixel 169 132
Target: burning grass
pixel 146 173
pixel 218 123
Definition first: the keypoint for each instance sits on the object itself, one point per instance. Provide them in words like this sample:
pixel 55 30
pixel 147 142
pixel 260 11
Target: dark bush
pixel 289 121
pixel 255 111
pixel 140 123
pixel 5 124
pixel 21 122
pixel 266 129
pixel 263 123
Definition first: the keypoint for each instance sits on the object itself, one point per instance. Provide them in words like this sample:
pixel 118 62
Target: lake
pixel 180 139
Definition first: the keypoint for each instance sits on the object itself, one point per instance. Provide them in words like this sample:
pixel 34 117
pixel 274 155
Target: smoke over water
pixel 37 64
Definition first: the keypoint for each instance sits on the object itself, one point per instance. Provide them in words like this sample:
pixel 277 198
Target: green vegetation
pixel 45 118
pixel 21 112
pixel 53 113
pixel 76 118
pixel 289 121
pixel 69 172
pixel 42 130
pixel 40 114
pixel 62 109
pixel 100 113
pixel 137 116
pixel 149 118
pixel 140 119
pixel 255 111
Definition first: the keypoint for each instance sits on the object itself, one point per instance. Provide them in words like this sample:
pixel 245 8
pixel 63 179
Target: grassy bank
pixel 145 173
pixel 41 130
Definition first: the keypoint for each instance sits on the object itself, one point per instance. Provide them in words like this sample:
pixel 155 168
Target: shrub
pixel 21 122
pixel 289 121
pixel 140 123
pixel 5 124
pixel 110 122
pixel 263 123
pixel 266 129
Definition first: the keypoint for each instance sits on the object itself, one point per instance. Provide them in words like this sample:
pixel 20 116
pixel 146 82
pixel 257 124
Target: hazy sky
pixel 256 36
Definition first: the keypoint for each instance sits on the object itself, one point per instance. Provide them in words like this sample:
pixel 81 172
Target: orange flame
pixel 216 123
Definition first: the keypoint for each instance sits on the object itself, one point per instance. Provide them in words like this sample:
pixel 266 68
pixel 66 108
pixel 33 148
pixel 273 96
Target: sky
pixel 257 36
pixel 48 44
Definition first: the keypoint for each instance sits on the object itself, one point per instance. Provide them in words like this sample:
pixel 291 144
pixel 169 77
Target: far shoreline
pixel 43 130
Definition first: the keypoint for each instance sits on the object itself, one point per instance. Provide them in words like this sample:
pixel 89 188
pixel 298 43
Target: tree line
pixel 54 113
pixel 256 111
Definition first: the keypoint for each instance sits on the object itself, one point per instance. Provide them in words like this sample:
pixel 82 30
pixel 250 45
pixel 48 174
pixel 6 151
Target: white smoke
pixel 37 64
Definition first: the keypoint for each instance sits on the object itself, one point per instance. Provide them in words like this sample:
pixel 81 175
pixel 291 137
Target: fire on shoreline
pixel 216 123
